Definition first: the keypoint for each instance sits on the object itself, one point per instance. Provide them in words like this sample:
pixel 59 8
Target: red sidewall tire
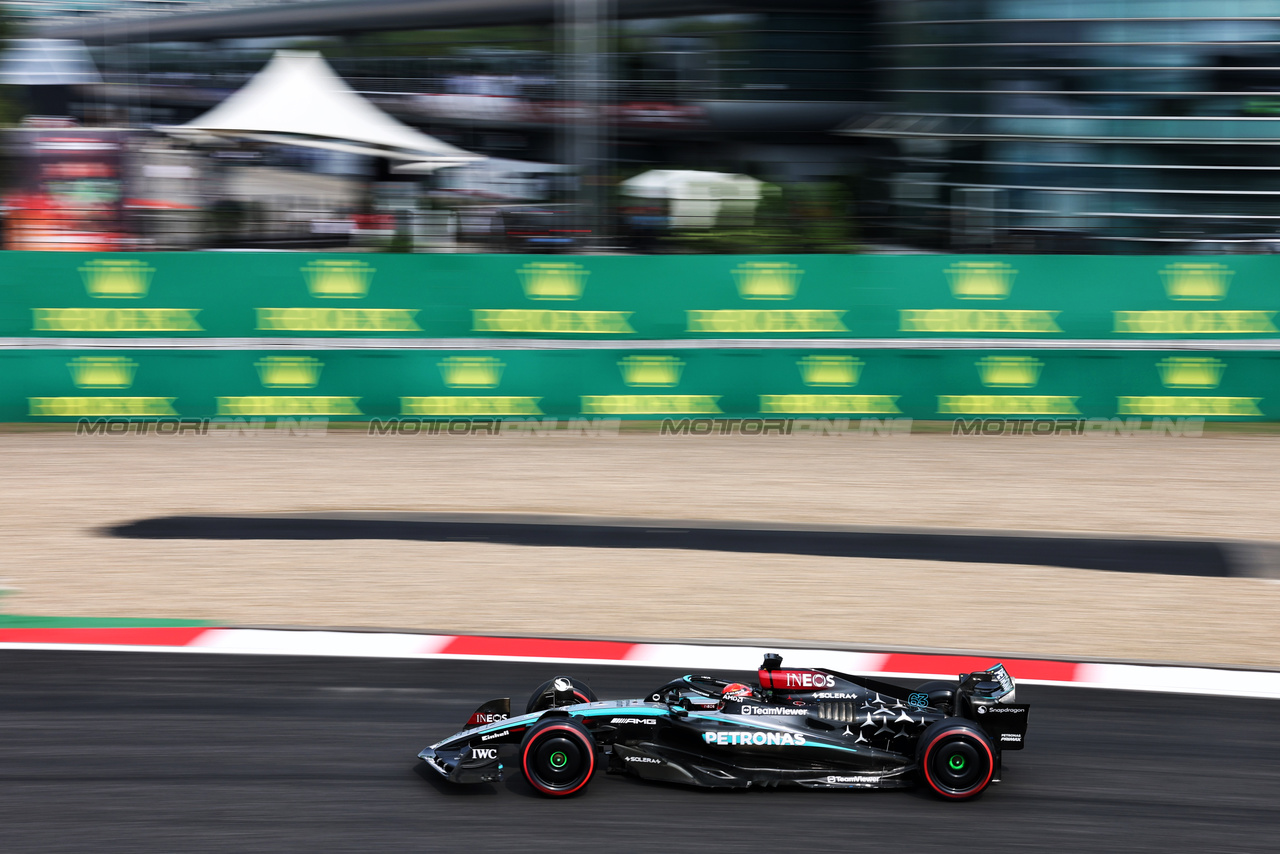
pixel 971 738
pixel 560 729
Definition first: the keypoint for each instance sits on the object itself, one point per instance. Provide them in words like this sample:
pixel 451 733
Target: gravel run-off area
pixel 58 492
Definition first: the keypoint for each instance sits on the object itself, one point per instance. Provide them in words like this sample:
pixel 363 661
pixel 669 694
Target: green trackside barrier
pixel 67 385
pixel 273 295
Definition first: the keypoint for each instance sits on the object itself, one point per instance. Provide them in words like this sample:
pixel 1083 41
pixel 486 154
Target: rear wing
pixel 1007 685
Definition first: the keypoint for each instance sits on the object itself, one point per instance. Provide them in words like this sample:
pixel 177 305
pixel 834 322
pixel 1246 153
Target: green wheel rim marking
pixel 956 762
pixel 559 760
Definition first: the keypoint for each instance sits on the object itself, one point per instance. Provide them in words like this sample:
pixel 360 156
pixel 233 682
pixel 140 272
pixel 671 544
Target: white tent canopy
pixel 697 199
pixel 298 100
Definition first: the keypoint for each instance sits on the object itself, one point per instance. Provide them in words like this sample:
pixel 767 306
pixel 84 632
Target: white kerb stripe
pixel 358 644
pixel 692 656
pixel 1181 680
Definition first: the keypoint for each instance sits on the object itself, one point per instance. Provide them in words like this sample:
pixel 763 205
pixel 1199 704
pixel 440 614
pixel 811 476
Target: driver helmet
pixel 737 691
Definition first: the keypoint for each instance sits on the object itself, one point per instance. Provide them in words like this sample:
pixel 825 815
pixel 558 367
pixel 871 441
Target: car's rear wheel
pixel 569 691
pixel 558 756
pixel 956 758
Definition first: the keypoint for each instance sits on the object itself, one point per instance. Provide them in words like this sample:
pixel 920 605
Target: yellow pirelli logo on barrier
pixel 551 320
pixel 1243 407
pixel 117 278
pixel 830 404
pixel 767 279
pixel 288 405
pixel 1195 322
pixel 1007 404
pixel 461 406
pixel 102 407
pixel 651 404
pixel 338 319
pixel 980 279
pixel 766 320
pixel 553 280
pixel 977 320
pixel 115 320
pixel 830 370
pixel 102 371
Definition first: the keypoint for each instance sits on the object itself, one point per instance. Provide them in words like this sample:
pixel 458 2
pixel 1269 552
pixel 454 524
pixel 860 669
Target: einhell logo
pixel 1188 372
pixel 1009 371
pixel 774 280
pixel 651 371
pixel 335 278
pixel 980 279
pixel 117 278
pixel 289 371
pixel 830 370
pixel 102 371
pixel 553 280
pixel 471 371
pixel 1203 282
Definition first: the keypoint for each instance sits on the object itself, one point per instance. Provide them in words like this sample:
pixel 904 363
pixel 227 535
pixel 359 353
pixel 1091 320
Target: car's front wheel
pixel 561 691
pixel 956 758
pixel 558 756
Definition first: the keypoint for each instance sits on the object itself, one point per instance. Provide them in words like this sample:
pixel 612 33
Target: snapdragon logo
pixel 757 739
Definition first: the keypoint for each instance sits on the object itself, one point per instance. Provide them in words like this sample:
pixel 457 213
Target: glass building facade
pixel 1082 125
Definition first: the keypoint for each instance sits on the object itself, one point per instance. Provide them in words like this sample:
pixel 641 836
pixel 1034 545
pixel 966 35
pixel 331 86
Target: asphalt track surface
pixel 142 752
pixel 1118 554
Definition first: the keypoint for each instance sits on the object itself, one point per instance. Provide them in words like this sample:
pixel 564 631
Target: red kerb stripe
pixel 159 636
pixel 538 648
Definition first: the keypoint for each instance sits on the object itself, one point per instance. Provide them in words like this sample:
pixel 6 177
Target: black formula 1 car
pixel 819 729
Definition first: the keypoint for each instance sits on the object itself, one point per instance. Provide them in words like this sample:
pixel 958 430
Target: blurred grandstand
pixel 921 125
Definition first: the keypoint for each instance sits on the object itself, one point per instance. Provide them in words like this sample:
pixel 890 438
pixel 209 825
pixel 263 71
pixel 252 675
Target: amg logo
pixel 494 735
pixel 633 720
pixel 484 753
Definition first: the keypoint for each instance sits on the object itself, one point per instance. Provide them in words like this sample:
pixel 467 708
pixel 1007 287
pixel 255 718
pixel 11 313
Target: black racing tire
pixel 957 759
pixel 558 756
pixel 543 697
pixel 942 695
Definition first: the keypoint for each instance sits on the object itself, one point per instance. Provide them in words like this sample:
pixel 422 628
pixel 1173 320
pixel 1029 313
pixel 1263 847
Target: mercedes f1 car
pixel 818 729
